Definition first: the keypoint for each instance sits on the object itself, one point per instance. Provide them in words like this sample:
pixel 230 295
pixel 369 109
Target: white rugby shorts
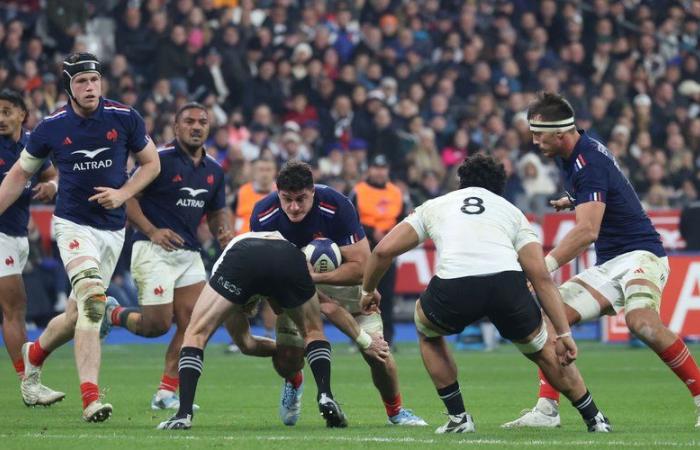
pixel 158 272
pixel 14 251
pixel 610 279
pixel 75 240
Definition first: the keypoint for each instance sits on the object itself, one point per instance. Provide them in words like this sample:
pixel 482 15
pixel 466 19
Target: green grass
pixel 648 406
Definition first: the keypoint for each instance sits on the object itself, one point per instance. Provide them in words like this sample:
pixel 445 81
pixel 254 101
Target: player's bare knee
pixel 643 325
pixel 288 360
pixel 89 291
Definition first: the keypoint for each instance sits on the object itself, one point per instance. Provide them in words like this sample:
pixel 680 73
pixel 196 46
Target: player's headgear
pixel 77 63
pixel 554 113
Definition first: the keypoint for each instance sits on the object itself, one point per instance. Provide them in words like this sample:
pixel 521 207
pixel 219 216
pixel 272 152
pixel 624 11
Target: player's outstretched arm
pixel 588 219
pixel 13 185
pixel 400 239
pixel 532 262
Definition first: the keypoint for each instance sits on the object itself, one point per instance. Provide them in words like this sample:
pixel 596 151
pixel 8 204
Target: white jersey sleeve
pixel 415 220
pixel 524 235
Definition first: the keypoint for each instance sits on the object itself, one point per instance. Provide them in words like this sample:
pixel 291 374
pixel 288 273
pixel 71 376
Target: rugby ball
pixel 323 254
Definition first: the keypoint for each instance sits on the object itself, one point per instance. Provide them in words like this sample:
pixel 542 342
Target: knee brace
pixel 89 291
pixel 287 333
pixel 536 344
pixel 641 296
pixel 424 329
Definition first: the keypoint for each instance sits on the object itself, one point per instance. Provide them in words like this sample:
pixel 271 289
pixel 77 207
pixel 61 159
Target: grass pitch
pixel 647 405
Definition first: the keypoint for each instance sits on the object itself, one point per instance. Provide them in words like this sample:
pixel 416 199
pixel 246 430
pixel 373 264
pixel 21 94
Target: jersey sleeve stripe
pixel 328 206
pixel 326 210
pixel 263 218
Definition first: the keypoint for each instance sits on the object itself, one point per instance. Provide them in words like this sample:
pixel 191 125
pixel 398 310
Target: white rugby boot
pixel 545 414
pixel 461 423
pixel 97 412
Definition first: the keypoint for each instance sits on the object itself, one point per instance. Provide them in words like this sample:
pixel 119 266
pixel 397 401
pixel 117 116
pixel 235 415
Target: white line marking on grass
pixel 409 440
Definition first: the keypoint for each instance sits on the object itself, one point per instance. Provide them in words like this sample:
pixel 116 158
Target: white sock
pixel 547 406
pixel 696 399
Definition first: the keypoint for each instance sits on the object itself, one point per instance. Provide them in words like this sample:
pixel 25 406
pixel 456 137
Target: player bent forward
pixel 256 263
pixel 483 244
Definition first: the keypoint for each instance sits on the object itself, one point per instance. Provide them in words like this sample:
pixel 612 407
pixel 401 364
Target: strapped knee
pixel 423 328
pixel 536 344
pixel 287 333
pixel 89 291
pixel 641 296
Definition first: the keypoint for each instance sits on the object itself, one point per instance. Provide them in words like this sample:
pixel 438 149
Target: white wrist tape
pixel 363 340
pixel 563 335
pixel 551 263
pixel 55 185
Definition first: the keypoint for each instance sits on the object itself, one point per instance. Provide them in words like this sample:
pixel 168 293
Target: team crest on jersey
pixel 210 180
pixel 112 135
pixel 2 162
pixel 9 261
pixel 67 141
pixel 159 291
pixel 177 178
pixel 74 244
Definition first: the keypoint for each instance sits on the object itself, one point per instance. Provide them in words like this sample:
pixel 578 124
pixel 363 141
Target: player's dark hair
pixel 190 105
pixel 482 171
pixel 295 176
pixel 13 97
pixel 551 107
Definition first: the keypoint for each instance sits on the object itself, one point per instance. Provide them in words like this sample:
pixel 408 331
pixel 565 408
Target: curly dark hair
pixel 295 176
pixel 482 171
pixel 551 107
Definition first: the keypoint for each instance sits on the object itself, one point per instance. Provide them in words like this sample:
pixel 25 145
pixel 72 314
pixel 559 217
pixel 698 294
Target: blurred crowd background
pixel 424 82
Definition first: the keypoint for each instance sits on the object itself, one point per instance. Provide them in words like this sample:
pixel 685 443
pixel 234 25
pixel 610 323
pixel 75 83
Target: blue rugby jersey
pixel 332 216
pixel 89 152
pixel 14 221
pixel 593 175
pixel 182 194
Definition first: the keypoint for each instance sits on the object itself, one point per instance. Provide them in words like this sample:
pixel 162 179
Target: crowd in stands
pixel 425 82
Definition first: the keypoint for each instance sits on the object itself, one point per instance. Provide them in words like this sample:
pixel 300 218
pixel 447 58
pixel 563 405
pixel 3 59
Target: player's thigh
pixel 154 273
pixel 643 281
pixel 188 286
pixel 591 294
pixel 13 297
pixel 512 309
pixel 210 311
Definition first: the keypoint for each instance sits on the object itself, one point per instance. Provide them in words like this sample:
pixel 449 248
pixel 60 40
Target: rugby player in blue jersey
pixel 631 267
pixel 14 245
pixel 301 212
pixel 90 139
pixel 165 260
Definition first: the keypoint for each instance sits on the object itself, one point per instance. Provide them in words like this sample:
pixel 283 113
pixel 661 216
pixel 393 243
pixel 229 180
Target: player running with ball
pixel 302 212
pixel 631 265
pixel 483 246
pixel 90 139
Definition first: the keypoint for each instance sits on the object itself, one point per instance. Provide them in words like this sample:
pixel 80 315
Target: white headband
pixel 554 126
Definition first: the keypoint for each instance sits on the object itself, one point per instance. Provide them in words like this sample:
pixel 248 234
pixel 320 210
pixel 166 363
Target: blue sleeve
pixel 38 144
pixel 346 224
pixel 218 201
pixel 137 138
pixel 591 184
pixel 45 165
pixel 255 224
